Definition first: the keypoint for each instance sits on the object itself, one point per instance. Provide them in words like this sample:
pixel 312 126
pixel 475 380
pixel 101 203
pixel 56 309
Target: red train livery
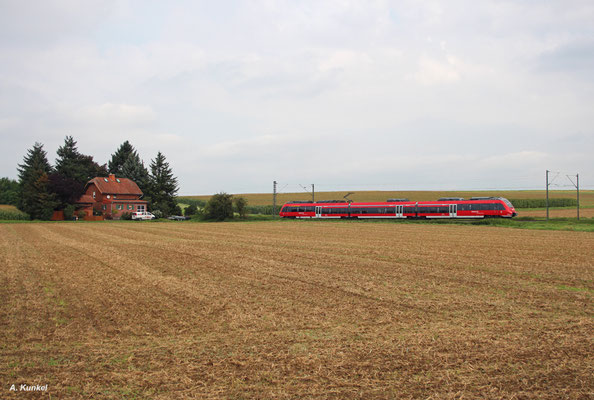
pixel 449 207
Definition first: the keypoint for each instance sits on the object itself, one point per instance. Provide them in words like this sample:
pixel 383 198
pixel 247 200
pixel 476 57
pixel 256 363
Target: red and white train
pixel 447 207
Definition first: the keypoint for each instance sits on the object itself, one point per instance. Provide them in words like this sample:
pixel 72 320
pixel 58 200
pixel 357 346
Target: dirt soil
pixel 295 309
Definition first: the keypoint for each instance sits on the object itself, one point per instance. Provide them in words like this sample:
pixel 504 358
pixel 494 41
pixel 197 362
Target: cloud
pixel 116 115
pixel 364 91
pixel 433 72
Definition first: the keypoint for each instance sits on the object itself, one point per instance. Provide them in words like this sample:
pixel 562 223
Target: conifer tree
pixel 35 197
pixel 72 171
pixel 163 186
pixel 119 158
pixel 134 169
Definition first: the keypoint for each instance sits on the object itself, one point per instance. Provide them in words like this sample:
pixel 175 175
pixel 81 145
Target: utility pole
pixel 577 186
pixel 547 194
pixel 313 193
pixel 274 199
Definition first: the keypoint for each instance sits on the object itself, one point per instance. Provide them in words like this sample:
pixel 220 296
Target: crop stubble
pixel 296 309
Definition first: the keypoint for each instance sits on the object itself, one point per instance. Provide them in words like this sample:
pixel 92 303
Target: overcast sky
pixel 374 95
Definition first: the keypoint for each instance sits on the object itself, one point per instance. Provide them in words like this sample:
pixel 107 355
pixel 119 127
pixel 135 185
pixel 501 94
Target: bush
pixel 158 213
pixel 190 210
pixel 219 207
pixel 126 216
pixel 177 210
pixel 108 216
pixel 241 206
pixel 69 212
pixel 81 214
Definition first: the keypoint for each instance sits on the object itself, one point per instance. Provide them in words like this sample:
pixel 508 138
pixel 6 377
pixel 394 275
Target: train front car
pixel 510 211
pixel 486 207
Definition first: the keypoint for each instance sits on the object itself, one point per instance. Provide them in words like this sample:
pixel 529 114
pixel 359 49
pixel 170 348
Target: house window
pixel 104 207
pixel 93 194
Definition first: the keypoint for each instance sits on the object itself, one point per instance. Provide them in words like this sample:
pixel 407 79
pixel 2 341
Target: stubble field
pixel 295 309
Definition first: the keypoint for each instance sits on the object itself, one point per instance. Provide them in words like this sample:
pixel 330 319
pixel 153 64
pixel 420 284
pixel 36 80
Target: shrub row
pixel 263 210
pixel 540 203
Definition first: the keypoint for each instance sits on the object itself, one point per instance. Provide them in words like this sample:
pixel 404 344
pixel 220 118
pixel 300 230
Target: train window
pixel 443 209
pixel 409 210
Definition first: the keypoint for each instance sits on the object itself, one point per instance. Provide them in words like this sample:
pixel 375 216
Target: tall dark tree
pixel 135 170
pixel 72 171
pixel 35 197
pixel 163 186
pixel 119 158
pixel 9 191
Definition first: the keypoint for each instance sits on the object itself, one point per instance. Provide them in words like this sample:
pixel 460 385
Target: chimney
pixel 112 177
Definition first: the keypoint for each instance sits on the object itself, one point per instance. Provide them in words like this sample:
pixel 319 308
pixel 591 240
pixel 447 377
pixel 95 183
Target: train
pixel 445 207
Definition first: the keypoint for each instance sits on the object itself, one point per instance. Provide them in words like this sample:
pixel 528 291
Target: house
pixel 112 196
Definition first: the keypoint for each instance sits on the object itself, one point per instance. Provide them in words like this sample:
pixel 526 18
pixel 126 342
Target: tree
pixel 219 207
pixel 191 210
pixel 35 198
pixel 119 158
pixel 72 171
pixel 241 206
pixel 163 186
pixel 9 191
pixel 135 170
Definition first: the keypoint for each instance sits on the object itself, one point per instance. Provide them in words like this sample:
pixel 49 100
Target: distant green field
pixel 586 196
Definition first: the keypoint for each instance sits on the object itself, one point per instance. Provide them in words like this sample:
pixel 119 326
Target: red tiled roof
pixel 86 198
pixel 111 185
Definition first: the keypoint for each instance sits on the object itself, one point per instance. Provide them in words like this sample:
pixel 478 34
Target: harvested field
pixel 296 309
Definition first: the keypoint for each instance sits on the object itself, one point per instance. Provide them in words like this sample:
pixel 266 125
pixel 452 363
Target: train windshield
pixel 507 202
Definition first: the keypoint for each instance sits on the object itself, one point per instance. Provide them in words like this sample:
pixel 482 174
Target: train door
pixel 453 210
pixel 318 211
pixel 399 211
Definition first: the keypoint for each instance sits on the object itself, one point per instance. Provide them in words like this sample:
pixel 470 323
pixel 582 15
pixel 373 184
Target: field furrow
pixel 294 309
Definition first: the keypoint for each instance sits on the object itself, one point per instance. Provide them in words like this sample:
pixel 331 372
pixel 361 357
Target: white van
pixel 142 215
